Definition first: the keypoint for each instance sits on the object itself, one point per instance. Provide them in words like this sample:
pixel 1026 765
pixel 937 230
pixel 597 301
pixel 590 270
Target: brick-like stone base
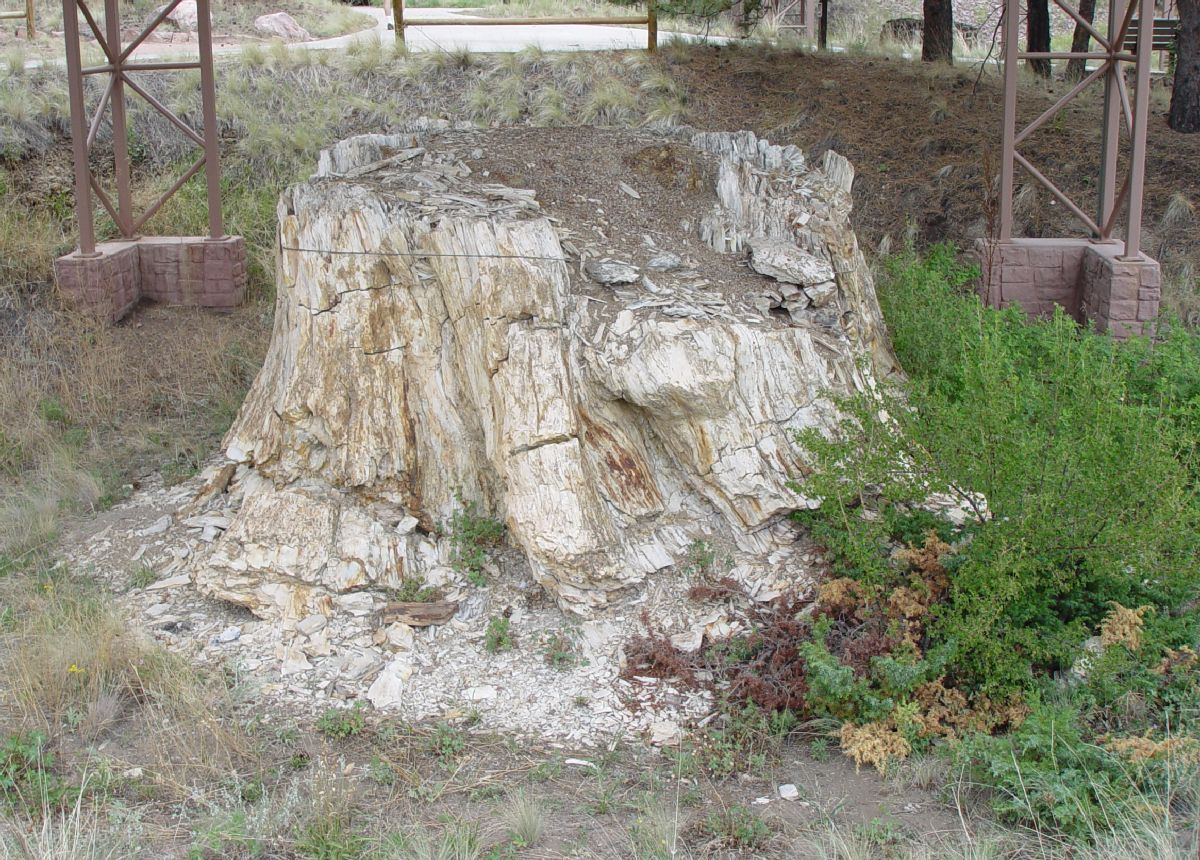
pixel 1087 279
pixel 107 283
pixel 190 270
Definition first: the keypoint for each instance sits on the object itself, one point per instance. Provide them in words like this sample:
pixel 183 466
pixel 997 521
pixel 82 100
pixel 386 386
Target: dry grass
pixel 68 660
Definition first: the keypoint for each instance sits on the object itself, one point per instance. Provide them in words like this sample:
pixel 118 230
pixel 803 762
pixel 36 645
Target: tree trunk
pixel 1037 35
pixel 443 342
pixel 937 40
pixel 1081 40
pixel 1185 97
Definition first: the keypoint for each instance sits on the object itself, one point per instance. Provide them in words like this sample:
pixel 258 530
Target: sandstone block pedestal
pixel 188 270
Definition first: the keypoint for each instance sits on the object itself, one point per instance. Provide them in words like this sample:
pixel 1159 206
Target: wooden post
pixel 651 26
pixel 30 32
pixel 398 20
pixel 823 27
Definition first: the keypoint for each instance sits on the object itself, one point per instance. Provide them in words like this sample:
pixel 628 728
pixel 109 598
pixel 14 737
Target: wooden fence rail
pixel 30 30
pixel 650 19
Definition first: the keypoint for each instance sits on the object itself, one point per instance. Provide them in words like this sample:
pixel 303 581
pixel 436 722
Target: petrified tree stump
pixel 560 326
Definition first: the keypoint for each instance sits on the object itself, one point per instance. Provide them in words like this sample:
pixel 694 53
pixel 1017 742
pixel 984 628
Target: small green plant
pixel 224 836
pixel 27 779
pixel 329 837
pixel 498 636
pixel 341 723
pixel 546 770
pixel 414 590
pixel 472 535
pixel 381 772
pixel 700 559
pixel 52 411
pixel 143 576
pixel 447 743
pixel 559 651
pixel 737 827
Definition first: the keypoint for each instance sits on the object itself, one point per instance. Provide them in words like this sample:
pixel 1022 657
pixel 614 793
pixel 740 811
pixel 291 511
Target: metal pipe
pixel 159 67
pixel 98 116
pixel 1057 106
pixel 165 111
pixel 1110 139
pixel 212 141
pixel 166 195
pixel 1053 189
pixel 83 191
pixel 120 128
pixel 1008 133
pixel 1137 152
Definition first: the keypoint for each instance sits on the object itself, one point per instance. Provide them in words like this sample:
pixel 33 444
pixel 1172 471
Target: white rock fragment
pixel 388 689
pixel 788 791
pixel 310 625
pixel 157 527
pixel 786 262
pixel 611 272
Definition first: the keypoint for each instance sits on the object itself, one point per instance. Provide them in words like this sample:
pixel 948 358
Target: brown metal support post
pixel 1110 142
pixel 651 26
pixel 83 187
pixel 1141 115
pixel 1011 43
pixel 120 131
pixel 212 140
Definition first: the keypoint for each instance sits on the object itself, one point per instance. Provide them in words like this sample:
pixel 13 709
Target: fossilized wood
pixel 433 341
pixel 419 614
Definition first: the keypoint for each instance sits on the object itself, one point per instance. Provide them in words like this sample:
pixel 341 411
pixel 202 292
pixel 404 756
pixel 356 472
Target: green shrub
pixel 341 723
pixel 1084 449
pixel 472 535
pixel 498 636
pixel 27 778
pixel 1073 459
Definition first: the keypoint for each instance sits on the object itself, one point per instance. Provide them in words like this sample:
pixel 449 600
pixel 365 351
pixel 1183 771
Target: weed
pixel 330 838
pixel 341 723
pixel 700 558
pixel 498 636
pixel 526 821
pixel 447 743
pixel 143 576
pixel 546 770
pixel 414 590
pixel 737 827
pixel 472 535
pixel 559 651
pixel 27 778
pixel 381 772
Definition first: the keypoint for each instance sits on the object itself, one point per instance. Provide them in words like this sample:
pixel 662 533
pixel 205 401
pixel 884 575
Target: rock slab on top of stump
pixel 440 340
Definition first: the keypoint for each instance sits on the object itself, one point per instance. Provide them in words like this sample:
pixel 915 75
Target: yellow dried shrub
pixel 1139 749
pixel 841 596
pixel 1123 626
pixel 877 744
